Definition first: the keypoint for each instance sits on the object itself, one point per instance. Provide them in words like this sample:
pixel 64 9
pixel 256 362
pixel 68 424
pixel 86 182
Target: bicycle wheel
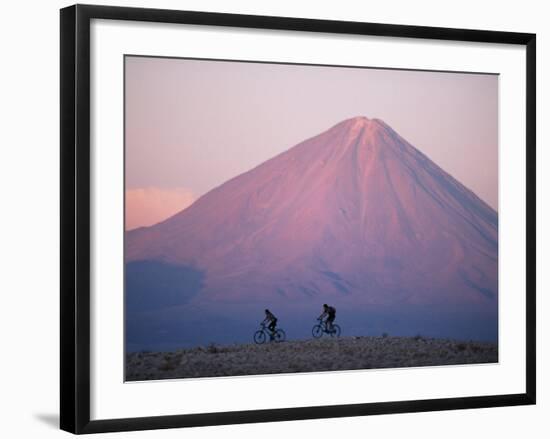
pixel 317 331
pixel 335 331
pixel 280 335
pixel 259 337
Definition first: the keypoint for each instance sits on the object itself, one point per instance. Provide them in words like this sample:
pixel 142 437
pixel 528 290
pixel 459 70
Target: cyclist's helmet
pixel 266 311
pixel 325 305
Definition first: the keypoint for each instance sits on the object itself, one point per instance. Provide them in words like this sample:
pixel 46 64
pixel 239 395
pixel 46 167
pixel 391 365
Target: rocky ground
pixel 327 354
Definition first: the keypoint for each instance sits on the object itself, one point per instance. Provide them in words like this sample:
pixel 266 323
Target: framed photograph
pixel 304 218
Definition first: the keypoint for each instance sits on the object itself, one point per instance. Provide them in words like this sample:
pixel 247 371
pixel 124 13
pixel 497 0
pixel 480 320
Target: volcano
pixel 354 216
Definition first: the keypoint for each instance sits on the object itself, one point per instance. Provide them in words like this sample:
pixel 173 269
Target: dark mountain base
pixel 188 327
pixel 346 353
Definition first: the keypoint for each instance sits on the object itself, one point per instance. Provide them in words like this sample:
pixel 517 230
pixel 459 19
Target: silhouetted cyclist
pixel 330 312
pixel 269 317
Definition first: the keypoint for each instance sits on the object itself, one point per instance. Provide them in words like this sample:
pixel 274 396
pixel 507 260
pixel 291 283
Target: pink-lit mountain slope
pixel 355 214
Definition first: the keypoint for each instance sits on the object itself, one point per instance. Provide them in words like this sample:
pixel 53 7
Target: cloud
pixel 148 206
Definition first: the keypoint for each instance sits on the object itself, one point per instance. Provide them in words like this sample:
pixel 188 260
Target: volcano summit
pixel 355 216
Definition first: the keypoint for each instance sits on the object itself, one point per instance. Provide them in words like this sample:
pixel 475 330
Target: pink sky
pixel 192 125
pixel 148 206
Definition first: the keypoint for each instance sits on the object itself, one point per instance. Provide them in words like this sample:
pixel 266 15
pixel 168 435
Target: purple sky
pixel 191 125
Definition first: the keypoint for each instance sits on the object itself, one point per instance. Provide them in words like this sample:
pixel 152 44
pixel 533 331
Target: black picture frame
pixel 75 217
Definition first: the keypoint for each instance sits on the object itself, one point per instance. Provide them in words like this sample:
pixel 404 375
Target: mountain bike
pixel 263 334
pixel 321 328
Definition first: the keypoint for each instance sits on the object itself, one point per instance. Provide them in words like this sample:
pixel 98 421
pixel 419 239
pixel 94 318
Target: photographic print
pixel 287 218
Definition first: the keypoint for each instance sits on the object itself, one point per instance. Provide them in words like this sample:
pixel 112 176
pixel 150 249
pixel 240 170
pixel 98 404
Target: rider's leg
pixel 271 327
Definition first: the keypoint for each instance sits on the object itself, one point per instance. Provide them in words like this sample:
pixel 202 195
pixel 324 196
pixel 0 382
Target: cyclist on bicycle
pixel 330 313
pixel 269 317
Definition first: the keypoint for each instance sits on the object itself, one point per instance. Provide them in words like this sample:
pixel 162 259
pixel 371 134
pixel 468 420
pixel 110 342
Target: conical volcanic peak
pixel 361 133
pixel 353 214
pixel 354 123
pixel 355 126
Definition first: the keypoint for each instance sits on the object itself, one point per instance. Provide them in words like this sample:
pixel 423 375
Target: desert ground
pixel 326 354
